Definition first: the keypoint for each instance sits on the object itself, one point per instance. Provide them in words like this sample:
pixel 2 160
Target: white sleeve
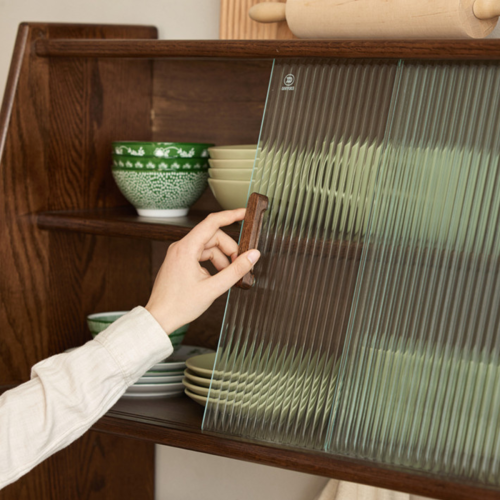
pixel 69 392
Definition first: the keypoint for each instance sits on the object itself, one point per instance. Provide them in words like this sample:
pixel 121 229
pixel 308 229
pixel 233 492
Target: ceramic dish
pixel 200 381
pixel 241 152
pixel 166 379
pixel 177 361
pixel 164 367
pixel 231 174
pixel 231 164
pixel 197 379
pixel 161 194
pixel 178 335
pixel 161 149
pixel 168 373
pixel 148 388
pixel 230 194
pixel 195 397
pixel 152 394
pixel 100 321
pixel 291 388
pixel 196 389
pixel 130 163
pixel 202 365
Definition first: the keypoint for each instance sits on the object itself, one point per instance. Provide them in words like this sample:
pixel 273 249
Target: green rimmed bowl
pixel 161 149
pixel 98 322
pixel 126 162
pixel 178 335
pixel 161 193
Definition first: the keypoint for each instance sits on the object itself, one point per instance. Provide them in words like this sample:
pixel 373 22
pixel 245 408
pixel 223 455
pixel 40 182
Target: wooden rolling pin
pixel 398 19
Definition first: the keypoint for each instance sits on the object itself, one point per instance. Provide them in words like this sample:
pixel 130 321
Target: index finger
pixel 201 234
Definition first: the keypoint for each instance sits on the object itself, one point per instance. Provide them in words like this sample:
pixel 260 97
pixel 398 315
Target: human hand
pixel 184 290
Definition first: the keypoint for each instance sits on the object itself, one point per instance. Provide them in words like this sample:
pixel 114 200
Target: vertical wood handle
pixel 257 205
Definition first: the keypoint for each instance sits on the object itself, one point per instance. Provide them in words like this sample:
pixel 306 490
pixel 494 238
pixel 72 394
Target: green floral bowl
pixel 157 193
pixel 161 149
pixel 127 162
pixel 100 321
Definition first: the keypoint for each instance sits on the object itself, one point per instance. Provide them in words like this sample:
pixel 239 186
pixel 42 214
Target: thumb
pixel 225 279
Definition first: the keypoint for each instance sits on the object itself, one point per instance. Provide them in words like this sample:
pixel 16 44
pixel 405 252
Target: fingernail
pixel 253 256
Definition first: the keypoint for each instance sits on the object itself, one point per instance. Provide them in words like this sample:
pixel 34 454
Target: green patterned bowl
pixel 127 162
pixel 100 321
pixel 157 193
pixel 161 149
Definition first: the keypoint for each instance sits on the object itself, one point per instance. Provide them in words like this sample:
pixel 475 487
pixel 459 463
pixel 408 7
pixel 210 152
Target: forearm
pixel 69 392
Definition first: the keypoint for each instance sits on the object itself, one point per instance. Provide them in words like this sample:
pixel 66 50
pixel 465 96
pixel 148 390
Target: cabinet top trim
pixel 270 49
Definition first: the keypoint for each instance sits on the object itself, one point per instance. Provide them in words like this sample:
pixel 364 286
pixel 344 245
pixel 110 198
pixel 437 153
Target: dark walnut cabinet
pixel 70 244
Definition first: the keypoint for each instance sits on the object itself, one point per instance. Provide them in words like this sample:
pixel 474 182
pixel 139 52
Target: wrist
pixel 160 317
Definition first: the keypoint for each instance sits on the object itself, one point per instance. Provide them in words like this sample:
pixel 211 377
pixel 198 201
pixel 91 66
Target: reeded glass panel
pixel 419 382
pixel 321 142
pixel 373 329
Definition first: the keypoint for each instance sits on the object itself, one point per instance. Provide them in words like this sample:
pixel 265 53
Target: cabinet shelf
pixel 268 49
pixel 177 422
pixel 124 222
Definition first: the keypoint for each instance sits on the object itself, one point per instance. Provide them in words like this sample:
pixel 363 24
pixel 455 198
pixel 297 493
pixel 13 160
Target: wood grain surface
pixel 123 222
pixel 177 422
pixel 219 102
pixel 488 49
pixel 95 467
pixel 58 119
pixel 257 205
pixel 235 23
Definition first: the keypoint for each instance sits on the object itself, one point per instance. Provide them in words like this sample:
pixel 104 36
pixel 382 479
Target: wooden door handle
pixel 257 205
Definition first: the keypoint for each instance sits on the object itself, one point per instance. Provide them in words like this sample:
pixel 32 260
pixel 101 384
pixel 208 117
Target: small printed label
pixel 288 82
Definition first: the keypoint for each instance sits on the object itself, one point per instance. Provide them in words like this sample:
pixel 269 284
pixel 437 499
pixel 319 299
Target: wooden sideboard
pixel 70 244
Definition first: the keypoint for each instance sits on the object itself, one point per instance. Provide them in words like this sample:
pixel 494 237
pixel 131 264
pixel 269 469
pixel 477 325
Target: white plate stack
pixel 165 378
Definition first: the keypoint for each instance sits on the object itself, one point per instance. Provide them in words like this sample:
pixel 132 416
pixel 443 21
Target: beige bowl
pixel 243 152
pixel 230 174
pixel 230 194
pixel 232 164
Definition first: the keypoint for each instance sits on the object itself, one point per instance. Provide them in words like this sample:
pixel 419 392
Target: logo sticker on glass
pixel 288 81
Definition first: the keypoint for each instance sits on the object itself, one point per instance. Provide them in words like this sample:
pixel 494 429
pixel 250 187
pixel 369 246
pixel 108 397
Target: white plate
pixel 177 361
pixel 167 379
pixel 151 394
pixel 165 373
pixel 151 388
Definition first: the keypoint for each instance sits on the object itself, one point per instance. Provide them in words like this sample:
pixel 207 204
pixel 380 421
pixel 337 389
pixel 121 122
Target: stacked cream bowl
pixel 230 174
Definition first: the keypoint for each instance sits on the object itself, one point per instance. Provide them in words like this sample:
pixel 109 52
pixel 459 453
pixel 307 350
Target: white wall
pixel 180 474
pixel 185 475
pixel 174 18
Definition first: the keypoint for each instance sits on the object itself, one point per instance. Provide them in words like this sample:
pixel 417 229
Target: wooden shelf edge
pixel 270 49
pixel 315 463
pixel 180 434
pixel 122 222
